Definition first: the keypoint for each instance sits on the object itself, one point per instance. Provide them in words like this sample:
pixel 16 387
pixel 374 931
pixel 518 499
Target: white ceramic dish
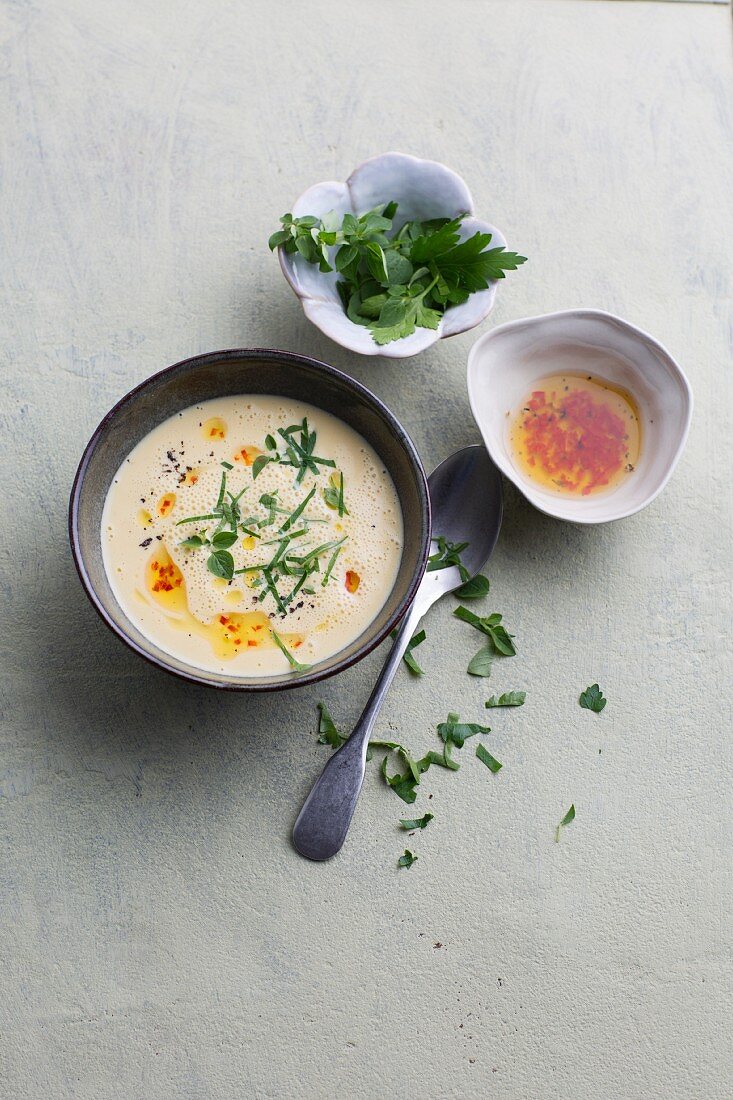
pixel 424 189
pixel 504 364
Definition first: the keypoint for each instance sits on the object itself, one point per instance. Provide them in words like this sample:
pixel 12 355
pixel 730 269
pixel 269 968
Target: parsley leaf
pixel 481 662
pixel 474 589
pixel 457 732
pixel 447 555
pixel 394 282
pixel 486 758
pixel 508 699
pixel 491 626
pixel 416 822
pixel 328 734
pixel 407 859
pixel 221 564
pixel 569 816
pixel 408 658
pixel 592 699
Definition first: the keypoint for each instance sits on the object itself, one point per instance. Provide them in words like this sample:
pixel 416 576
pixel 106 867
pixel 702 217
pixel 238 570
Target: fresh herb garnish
pixel 408 656
pixel 333 494
pixel 486 758
pixel 569 816
pixel 508 699
pixel 491 626
pixel 327 732
pixel 456 731
pixel 416 822
pixel 222 540
pixel 593 699
pixel 407 859
pixel 474 589
pixel 481 662
pixel 447 555
pixel 221 564
pixel 295 665
pixel 397 283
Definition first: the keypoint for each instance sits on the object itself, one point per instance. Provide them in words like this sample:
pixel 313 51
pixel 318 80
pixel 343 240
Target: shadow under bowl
pixel 249 371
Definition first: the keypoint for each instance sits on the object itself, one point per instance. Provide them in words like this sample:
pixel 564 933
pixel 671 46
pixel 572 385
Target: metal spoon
pixel 466 502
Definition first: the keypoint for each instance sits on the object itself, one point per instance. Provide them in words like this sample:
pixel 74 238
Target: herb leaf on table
pixel 592 699
pixel 508 699
pixel 416 822
pixel 569 816
pixel 486 758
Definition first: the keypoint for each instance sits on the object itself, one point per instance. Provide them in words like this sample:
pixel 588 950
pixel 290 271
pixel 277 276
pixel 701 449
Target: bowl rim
pixel 499 457
pixel 264 354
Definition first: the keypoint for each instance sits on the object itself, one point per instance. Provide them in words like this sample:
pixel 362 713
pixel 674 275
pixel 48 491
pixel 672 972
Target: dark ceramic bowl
pixel 221 373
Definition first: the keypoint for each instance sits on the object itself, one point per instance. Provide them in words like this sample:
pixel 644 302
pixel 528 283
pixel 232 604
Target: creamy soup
pixel 252 535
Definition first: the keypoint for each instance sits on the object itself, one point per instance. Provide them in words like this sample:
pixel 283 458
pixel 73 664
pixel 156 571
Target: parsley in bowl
pixel 392 260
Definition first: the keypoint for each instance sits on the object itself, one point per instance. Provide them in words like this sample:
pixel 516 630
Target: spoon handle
pixel 324 820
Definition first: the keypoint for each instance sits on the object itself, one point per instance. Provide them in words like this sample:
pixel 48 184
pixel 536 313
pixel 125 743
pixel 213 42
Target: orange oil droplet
pixel 247 455
pixel 352 581
pixel 214 428
pixel 164 581
pixel 165 504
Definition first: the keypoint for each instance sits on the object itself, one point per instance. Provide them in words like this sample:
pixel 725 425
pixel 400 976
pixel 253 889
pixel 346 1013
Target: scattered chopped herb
pixel 329 567
pixel 259 464
pixel 481 662
pixel 295 665
pixel 456 731
pixel 227 465
pixel 407 859
pixel 441 759
pixel 508 699
pixel 416 822
pixel 333 494
pixel 298 511
pixel 448 554
pixel 491 626
pixel 194 542
pixel 569 816
pixel 486 758
pixel 328 734
pixel 408 657
pixel 474 589
pixel 592 699
pixel 402 783
pixel 395 284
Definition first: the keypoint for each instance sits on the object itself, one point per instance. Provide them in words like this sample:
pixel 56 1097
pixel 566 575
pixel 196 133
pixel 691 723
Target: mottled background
pixel 159 936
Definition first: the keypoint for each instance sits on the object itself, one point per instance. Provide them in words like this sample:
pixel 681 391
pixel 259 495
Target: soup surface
pixel 576 435
pixel 251 535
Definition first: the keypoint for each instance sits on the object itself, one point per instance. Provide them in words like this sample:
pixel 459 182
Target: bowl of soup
pixel 250 519
pixel 586 414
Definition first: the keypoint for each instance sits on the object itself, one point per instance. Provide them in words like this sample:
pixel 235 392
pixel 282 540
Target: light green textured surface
pixel 159 938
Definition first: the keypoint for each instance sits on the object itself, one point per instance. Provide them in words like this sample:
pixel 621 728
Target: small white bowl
pixel 423 189
pixel 504 364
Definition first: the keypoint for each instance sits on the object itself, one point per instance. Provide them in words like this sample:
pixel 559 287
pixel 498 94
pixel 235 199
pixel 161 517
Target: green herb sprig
pixel 395 280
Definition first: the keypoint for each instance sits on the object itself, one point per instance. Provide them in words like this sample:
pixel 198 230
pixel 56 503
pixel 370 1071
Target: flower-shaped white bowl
pixel 423 189
pixel 504 365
